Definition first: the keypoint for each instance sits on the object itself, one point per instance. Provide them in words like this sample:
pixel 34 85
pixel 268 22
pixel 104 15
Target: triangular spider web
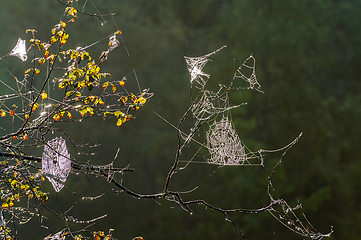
pixel 56 163
pixel 249 65
pixel 195 66
pixel 20 50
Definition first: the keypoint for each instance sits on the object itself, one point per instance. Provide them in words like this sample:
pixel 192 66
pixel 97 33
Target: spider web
pixel 222 141
pixel 56 162
pixel 247 72
pixel 113 43
pixel 18 51
pixel 195 66
pixel 210 104
pixel 224 144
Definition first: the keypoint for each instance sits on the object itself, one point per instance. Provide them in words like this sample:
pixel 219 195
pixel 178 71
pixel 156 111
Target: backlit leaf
pixel 114 89
pixel 68 93
pixel 56 117
pixel 35 106
pixel 120 122
pixel 54 38
pixel 118 113
pixel 63 24
pixel 105 85
pixel 44 95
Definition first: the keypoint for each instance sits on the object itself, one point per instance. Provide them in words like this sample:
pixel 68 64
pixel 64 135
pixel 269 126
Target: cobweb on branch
pixel 56 162
pixel 286 215
pixel 195 66
pixel 113 43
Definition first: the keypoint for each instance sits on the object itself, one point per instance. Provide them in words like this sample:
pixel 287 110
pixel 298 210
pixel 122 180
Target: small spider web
pixel 56 163
pixel 224 144
pixel 113 43
pixel 20 50
pixel 247 72
pixel 195 66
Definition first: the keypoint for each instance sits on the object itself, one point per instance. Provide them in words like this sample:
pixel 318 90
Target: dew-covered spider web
pixel 222 141
pixel 247 72
pixel 195 67
pixel 224 145
pixel 210 104
pixel 56 162
pixel 211 112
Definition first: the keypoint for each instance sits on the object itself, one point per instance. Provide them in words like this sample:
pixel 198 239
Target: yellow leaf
pixel 44 95
pixel 90 110
pixel 5 205
pixel 118 113
pixel 63 24
pixel 35 106
pixel 56 117
pixel 120 122
pixel 27 71
pixel 114 89
pixel 30 30
pixel 69 93
pixel 105 85
pixel 53 39
pixel 41 60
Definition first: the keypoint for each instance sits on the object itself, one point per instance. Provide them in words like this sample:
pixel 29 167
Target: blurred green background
pixel 308 63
